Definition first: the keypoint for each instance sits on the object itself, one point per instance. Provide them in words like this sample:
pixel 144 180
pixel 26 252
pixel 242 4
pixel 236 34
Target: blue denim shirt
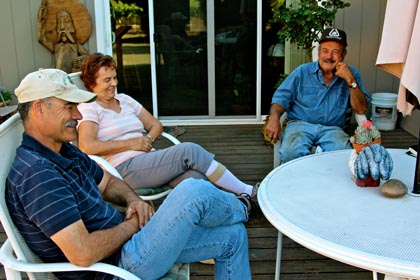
pixel 305 96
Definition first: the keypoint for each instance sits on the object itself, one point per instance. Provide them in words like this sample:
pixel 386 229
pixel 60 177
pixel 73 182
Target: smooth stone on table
pixel 394 188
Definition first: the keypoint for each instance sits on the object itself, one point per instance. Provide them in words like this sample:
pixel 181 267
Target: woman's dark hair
pixel 91 65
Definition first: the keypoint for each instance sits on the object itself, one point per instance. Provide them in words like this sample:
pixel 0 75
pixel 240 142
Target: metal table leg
pixel 278 257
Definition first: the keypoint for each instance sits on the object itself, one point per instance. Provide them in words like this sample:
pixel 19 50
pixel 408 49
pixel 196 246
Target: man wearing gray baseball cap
pixel 58 198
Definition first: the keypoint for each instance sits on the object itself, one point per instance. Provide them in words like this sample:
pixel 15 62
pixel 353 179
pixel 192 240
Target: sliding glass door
pixel 206 53
pixel 181 57
pixel 190 59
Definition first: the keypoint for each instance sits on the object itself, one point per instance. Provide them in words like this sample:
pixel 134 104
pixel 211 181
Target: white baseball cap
pixel 51 83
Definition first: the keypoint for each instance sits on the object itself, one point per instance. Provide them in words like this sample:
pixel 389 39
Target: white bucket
pixel 384 110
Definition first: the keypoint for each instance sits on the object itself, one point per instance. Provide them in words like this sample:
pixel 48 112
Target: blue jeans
pixel 299 137
pixel 195 222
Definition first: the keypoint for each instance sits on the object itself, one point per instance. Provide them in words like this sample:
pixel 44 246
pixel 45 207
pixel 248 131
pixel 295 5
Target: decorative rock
pixel 394 188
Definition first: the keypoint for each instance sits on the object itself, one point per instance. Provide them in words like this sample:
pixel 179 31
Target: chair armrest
pixel 276 146
pixel 9 261
pixel 171 138
pixel 283 119
pixel 360 118
pixel 106 165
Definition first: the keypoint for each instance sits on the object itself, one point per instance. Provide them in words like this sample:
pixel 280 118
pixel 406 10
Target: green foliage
pixel 302 21
pixel 281 79
pixel 5 94
pixel 124 10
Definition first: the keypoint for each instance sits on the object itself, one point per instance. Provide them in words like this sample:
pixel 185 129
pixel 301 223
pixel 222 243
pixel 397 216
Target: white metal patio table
pixel 314 201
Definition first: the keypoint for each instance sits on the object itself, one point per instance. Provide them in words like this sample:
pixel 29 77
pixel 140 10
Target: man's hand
pixel 357 98
pixel 141 212
pixel 343 71
pixel 272 130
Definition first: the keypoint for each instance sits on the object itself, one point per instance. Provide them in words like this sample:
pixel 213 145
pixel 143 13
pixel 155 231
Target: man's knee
pixel 338 145
pixel 335 139
pixel 293 154
pixel 295 146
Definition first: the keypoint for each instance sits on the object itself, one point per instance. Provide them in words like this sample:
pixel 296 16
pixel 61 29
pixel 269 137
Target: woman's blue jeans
pixel 195 222
pixel 299 137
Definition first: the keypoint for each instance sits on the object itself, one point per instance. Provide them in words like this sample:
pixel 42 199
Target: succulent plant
pixel 365 133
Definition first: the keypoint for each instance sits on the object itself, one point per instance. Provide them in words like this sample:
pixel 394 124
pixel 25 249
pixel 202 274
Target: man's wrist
pixel 352 85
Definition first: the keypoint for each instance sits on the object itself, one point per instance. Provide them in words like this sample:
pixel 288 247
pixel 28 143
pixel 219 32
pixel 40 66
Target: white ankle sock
pixel 228 181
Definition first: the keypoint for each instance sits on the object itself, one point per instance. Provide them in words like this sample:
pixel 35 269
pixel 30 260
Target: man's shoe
pixel 252 206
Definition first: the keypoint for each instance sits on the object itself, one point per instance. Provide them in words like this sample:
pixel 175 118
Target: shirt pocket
pixel 341 98
pixel 309 97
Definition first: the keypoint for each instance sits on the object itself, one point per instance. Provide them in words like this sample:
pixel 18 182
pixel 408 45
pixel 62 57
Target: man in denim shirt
pixel 316 96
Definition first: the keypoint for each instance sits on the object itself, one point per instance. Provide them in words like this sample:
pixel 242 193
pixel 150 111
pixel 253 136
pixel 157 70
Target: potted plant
pixel 365 134
pixel 301 21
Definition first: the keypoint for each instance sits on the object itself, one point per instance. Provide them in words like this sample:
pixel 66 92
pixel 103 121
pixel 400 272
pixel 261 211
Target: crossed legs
pixel 195 222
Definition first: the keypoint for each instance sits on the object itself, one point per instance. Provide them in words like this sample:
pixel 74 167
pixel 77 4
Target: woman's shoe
pixel 255 190
pixel 252 206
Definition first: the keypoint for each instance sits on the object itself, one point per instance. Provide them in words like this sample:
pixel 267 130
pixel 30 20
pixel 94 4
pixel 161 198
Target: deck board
pixel 242 150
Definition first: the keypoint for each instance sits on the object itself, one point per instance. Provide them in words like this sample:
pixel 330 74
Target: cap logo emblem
pixel 334 33
pixel 68 79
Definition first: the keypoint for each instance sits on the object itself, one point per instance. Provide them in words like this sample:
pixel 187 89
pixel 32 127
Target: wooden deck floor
pixel 242 150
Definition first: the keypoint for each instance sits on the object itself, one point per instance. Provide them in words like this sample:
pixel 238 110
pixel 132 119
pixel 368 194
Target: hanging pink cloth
pixel 399 52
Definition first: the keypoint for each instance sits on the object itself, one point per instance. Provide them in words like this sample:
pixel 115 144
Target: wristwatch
pixel 352 85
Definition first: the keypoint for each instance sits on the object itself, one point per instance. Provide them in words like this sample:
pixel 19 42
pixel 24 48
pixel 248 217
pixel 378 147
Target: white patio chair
pixel 149 194
pixel 15 255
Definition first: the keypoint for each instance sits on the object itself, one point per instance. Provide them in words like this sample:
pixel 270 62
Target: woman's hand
pixel 141 144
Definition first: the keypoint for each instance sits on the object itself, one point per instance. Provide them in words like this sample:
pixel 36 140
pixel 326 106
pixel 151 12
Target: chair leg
pixel 12 274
